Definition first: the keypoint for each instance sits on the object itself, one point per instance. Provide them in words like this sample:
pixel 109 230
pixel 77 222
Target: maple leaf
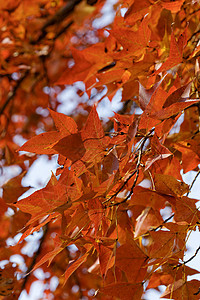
pixel 75 264
pixel 123 290
pixel 169 185
pixel 13 189
pixel 163 244
pixel 71 147
pixel 175 53
pixel 127 256
pixel 148 219
pixel 133 41
pixel 173 6
pixel 182 290
pixel 46 200
pixel 114 176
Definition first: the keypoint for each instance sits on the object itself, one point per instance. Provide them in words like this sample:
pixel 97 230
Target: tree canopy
pixel 114 219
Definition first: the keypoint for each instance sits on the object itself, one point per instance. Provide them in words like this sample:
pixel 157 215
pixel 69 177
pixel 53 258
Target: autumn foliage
pixel 114 219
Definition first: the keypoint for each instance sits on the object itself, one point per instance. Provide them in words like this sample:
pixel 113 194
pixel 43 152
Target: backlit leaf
pixel 123 290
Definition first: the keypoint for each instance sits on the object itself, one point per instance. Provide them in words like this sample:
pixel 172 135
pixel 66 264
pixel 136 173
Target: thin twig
pixel 134 183
pixel 136 171
pixel 196 252
pixel 195 178
pixel 59 16
pixel 194 12
pixel 165 221
pixel 187 261
pixel 37 253
pixel 12 94
pixel 119 190
pixel 63 30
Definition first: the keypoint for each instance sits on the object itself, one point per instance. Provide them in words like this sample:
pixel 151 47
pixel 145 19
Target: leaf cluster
pixel 116 216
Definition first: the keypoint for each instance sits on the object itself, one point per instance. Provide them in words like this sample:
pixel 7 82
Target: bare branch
pixel 195 178
pixel 12 94
pixel 59 16
pixel 136 171
pixel 37 253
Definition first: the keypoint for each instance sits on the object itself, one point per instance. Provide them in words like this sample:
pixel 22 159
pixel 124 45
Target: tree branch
pixel 37 253
pixel 187 261
pixel 59 16
pixel 195 178
pixel 12 94
pixel 136 171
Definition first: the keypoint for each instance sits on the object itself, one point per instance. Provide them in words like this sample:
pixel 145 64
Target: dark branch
pixel 195 178
pixel 187 261
pixel 63 30
pixel 59 16
pixel 196 252
pixel 37 253
pixel 12 94
pixel 136 171
pixel 165 221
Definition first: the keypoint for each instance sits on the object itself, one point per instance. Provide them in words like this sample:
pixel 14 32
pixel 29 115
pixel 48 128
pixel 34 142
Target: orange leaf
pixel 76 263
pixel 42 143
pixel 167 184
pixel 44 201
pixel 175 55
pixel 149 218
pixel 178 95
pixel 133 40
pixel 173 6
pixel 136 11
pixel 123 290
pixel 163 244
pixel 64 124
pixel 106 259
pixel 173 110
pixel 147 198
pixel 131 259
pixel 93 128
pixel 182 290
pixel 71 147
pixel 50 255
pixel 13 189
pixel 159 278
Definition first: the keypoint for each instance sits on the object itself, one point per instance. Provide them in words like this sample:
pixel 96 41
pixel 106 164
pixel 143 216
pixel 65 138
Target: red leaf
pixel 178 95
pixel 136 11
pixel 173 109
pixel 162 245
pixel 13 189
pixel 106 259
pixel 133 40
pixel 50 255
pixel 93 128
